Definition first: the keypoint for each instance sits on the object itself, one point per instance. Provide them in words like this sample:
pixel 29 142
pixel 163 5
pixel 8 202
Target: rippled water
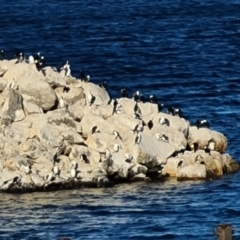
pixel 185 52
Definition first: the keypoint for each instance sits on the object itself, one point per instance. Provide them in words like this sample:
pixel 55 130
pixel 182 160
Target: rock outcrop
pixel 59 132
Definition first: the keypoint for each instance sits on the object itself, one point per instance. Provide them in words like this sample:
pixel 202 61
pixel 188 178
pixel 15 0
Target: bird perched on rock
pixel 136 96
pixel 180 163
pixel 164 121
pixel 115 106
pixel 83 158
pixel 49 177
pixel 137 109
pixel 66 89
pixel 175 112
pixel 84 77
pixel 165 138
pixel 94 130
pixel 103 85
pixel 199 159
pixel 210 146
pixel 40 64
pixel 107 153
pixel 138 127
pixel 124 93
pixel 20 57
pixel 202 124
pixel 62 103
pixel 66 67
pixel 138 138
pixel 160 107
pixel 91 98
pixel 12 84
pixel 116 147
pixel 153 99
pixel 73 169
pixel 162 137
pixel 195 146
pixel 117 135
pixel 2 55
pixel 128 157
pixel 55 170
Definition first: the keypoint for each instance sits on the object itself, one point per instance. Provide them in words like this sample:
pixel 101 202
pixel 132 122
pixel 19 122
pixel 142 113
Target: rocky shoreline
pixel 59 132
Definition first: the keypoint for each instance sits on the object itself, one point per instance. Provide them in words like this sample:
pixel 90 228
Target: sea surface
pixel 185 52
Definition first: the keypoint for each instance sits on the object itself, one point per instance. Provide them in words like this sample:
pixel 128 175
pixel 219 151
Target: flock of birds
pixel 40 63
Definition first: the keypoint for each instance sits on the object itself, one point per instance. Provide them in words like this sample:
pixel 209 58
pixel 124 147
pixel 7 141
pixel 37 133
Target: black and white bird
pixel 165 138
pixel 137 109
pixel 138 128
pixel 94 129
pixel 103 85
pixel 138 138
pixel 20 57
pixel 160 107
pixel 115 106
pixel 153 99
pixel 159 136
pixel 66 89
pixel 66 68
pixel 137 96
pixel 180 163
pixel 202 124
pixel 210 146
pixel 49 177
pixel 195 146
pixel 124 93
pixel 178 112
pixel 117 135
pixel 175 112
pixel 83 158
pixel 74 167
pixel 199 159
pixel 128 157
pixel 107 153
pixel 55 170
pixel 2 55
pixel 117 147
pixel 164 121
pixel 84 77
pixel 91 98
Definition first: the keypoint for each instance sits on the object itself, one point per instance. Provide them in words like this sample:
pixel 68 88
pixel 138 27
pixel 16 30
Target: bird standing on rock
pixel 164 121
pixel 83 158
pixel 180 163
pixel 124 93
pixel 2 55
pixel 73 169
pixel 20 57
pixel 138 138
pixel 84 77
pixel 91 98
pixel 202 124
pixel 153 99
pixel 210 146
pixel 117 135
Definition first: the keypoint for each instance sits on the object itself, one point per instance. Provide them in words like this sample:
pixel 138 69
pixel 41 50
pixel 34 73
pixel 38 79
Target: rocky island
pixel 59 132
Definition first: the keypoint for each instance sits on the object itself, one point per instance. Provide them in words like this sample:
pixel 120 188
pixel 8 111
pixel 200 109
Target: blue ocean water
pixel 185 52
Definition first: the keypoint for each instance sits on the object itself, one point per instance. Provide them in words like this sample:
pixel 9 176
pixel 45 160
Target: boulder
pixel 13 107
pixel 33 84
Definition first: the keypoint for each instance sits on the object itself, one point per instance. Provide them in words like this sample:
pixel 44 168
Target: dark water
pixel 187 53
